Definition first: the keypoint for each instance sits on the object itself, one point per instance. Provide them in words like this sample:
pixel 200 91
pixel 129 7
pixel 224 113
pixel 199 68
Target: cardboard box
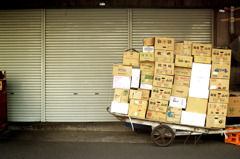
pixel 146 57
pixel 137 108
pixel 164 56
pixel 148 49
pixel 197 105
pixel 181 71
pixel 217 109
pixel 182 81
pixel 146 86
pixel 216 121
pixel 163 81
pixel 219 84
pixel 121 95
pixel 147 78
pixel 122 82
pixel 158 105
pixel 120 70
pixel 234 107
pixel 198 93
pixel 221 69
pixel 203 59
pixel 135 94
pixel 145 94
pixel 174 114
pixel 202 49
pixel 179 91
pixel 199 83
pixel 154 115
pixel 161 93
pixel 187 48
pixel 135 78
pixel 183 61
pixel 164 43
pixel 148 41
pixel 178 48
pixel 221 55
pixel 121 108
pixel 217 96
pixel 195 119
pixel 164 68
pixel 178 102
pixel 131 58
pixel 147 67
pixel 201 70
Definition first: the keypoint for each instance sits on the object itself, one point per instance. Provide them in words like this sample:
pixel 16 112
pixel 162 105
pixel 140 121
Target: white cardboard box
pixel 148 49
pixel 198 93
pixel 201 70
pixel 199 83
pixel 178 102
pixel 121 108
pixel 135 78
pixel 146 86
pixel 122 82
pixel 195 119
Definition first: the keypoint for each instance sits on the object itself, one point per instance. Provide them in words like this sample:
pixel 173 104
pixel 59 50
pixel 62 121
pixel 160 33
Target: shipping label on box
pixel 178 102
pixel 121 108
pixel 216 121
pixel 182 71
pixel 148 41
pixel 146 86
pixel 164 56
pixel 183 61
pixel 164 43
pixel 135 94
pixel 217 96
pixel 197 105
pixel 234 107
pixel 221 70
pixel 163 81
pixel 147 67
pixel 203 59
pixel 147 78
pixel 182 81
pixel 122 82
pixel 201 70
pixel 202 49
pixel 154 115
pixel 199 83
pixel 164 68
pixel 161 93
pixel 146 57
pixel 217 109
pixel 148 49
pixel 221 55
pixel 120 70
pixel 195 119
pixel 145 94
pixel 178 48
pixel 187 48
pixel 121 95
pixel 174 114
pixel 131 58
pixel 135 78
pixel 179 91
pixel 219 84
pixel 158 105
pixel 198 93
pixel 137 108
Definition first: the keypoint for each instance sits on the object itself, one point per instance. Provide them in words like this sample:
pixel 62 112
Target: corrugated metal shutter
pixel 181 24
pixel 81 47
pixel 20 56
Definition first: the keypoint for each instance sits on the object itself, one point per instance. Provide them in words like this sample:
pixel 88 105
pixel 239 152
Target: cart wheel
pixel 162 135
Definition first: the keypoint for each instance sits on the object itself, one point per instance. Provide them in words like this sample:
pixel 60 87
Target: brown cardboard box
pixel 161 93
pixel 158 105
pixel 182 71
pixel 164 43
pixel 197 105
pixel 182 81
pixel 146 57
pixel 219 84
pixel 135 94
pixel 145 94
pixel 183 61
pixel 148 41
pixel 148 67
pixel 234 107
pixel 216 121
pixel 178 48
pixel 164 56
pixel 203 59
pixel 163 81
pixel 217 96
pixel 221 55
pixel 217 109
pixel 120 70
pixel 131 58
pixel 154 115
pixel 174 114
pixel 202 49
pixel 221 70
pixel 121 95
pixel 164 68
pixel 137 108
pixel 187 48
pixel 147 78
pixel 179 91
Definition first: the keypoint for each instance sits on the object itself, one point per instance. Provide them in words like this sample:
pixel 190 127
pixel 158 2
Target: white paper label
pixel 135 113
pixel 215 73
pixel 213 87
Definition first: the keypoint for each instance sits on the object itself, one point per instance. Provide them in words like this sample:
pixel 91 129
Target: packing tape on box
pixel 131 122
